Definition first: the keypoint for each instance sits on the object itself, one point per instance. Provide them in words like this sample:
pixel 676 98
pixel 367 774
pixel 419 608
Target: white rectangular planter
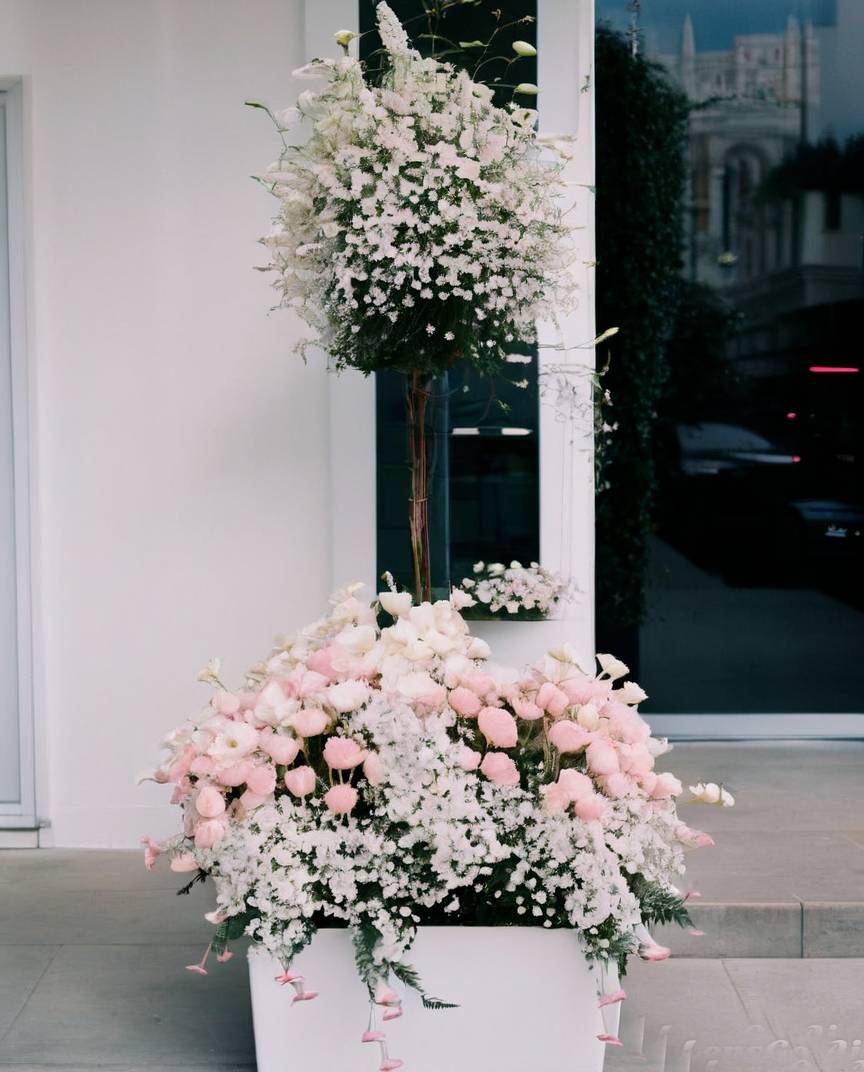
pixel 527 1001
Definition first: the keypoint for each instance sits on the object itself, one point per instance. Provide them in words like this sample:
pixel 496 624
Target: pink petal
pixel 392 1013
pixel 224 957
pixel 308 995
pixel 695 933
pixel 196 968
pixel 288 977
pixel 611 999
pixel 372 1036
pixel 654 952
pixel 387 997
pixel 390 1064
pixel 691 893
pixel 610 1040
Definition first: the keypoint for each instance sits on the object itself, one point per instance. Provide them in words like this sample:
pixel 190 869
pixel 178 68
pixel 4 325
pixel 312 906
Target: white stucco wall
pixel 179 449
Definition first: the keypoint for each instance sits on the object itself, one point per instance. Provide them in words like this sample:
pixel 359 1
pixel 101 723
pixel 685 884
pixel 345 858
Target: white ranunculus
pixel 524 48
pixel 287 118
pixel 348 695
pixel 726 798
pixel 357 639
pixel 711 793
pixel 588 717
pixel 526 89
pixel 420 687
pixel 478 649
pixel 396 604
pixel 461 599
pixel 612 666
pixel 344 37
pixel 630 693
pixel 236 740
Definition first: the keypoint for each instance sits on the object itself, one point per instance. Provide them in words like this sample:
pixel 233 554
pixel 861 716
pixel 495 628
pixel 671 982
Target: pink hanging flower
pixel 611 999
pixel 373 1036
pixel 610 1040
pixel 152 851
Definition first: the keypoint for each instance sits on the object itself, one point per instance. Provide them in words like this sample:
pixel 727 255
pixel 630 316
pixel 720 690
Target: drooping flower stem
pixel 417 395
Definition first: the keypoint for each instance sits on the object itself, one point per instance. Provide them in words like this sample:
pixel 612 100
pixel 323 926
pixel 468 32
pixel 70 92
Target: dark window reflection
pixel 755 595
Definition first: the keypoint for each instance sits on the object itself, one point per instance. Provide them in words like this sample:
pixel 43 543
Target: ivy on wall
pixel 641 131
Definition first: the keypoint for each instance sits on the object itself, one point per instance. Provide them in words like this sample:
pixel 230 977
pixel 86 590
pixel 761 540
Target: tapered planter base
pixel 527 1001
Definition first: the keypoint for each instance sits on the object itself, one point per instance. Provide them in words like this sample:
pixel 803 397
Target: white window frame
pixel 20 814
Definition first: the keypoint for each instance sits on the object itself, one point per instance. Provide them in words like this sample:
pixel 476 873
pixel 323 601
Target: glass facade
pixel 755 600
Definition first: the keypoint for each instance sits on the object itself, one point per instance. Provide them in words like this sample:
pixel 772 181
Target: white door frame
pixel 21 813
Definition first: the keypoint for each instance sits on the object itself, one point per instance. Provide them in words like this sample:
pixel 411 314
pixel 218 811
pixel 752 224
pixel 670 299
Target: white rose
pixel 526 89
pixel 477 649
pixel 524 48
pixel 711 793
pixel 726 798
pixel 460 599
pixel 286 119
pixel 419 687
pixel 357 639
pixel 395 603
pixel 612 666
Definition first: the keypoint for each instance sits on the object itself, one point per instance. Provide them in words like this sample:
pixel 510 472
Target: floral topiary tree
pixel 419 223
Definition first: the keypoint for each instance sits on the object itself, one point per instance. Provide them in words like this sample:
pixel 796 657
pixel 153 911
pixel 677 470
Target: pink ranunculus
pixel 183 863
pixel 300 781
pixel 555 797
pixel 552 699
pixel 310 722
pixel 526 709
pixel 602 757
pixel 648 781
pixel 262 780
pixel 203 766
pixel 210 803
pixel 590 808
pixel 653 951
pixel 209 832
pixel 226 703
pixel 465 702
pixel 279 747
pixel 342 753
pixel 498 727
pixel 640 761
pixel 500 768
pixel 568 736
pixel 373 768
pixel 341 799
pixel 249 800
pixel 575 784
pixel 235 774
pixel 468 759
pixel 626 724
pixel 695 839
pixel 667 785
pixel 616 785
pixel 321 662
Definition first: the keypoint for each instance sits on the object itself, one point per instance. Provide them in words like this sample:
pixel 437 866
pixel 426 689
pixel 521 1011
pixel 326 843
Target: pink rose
pixel 249 800
pixel 552 699
pixel 526 708
pixel 300 781
pixel 468 759
pixel 568 736
pixel 602 758
pixel 341 799
pixel 465 702
pixel 373 768
pixel 590 808
pixel 575 784
pixel 498 727
pixel 341 753
pixel 310 722
pixel 209 832
pixel 235 774
pixel 667 785
pixel 210 802
pixel 500 768
pixel 262 780
pixel 280 748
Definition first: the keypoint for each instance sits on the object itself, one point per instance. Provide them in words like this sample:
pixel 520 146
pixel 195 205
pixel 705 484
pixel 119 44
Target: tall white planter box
pixel 527 1001
pixel 522 643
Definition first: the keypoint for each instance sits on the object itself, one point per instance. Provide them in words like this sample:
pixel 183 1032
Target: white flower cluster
pixel 418 221
pixel 515 590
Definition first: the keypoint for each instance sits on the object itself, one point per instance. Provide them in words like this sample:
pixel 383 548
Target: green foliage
pixel 641 129
pixel 659 904
pixel 825 165
pixel 365 938
pixel 199 876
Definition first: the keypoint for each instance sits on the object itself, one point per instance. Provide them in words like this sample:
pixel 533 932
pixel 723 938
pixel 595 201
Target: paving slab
pixel 133 1006
pixel 766 929
pixel 21 968
pixel 832 929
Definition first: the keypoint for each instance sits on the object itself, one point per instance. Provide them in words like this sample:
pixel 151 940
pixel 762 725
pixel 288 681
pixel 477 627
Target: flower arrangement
pixel 377 773
pixel 419 223
pixel 514 592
